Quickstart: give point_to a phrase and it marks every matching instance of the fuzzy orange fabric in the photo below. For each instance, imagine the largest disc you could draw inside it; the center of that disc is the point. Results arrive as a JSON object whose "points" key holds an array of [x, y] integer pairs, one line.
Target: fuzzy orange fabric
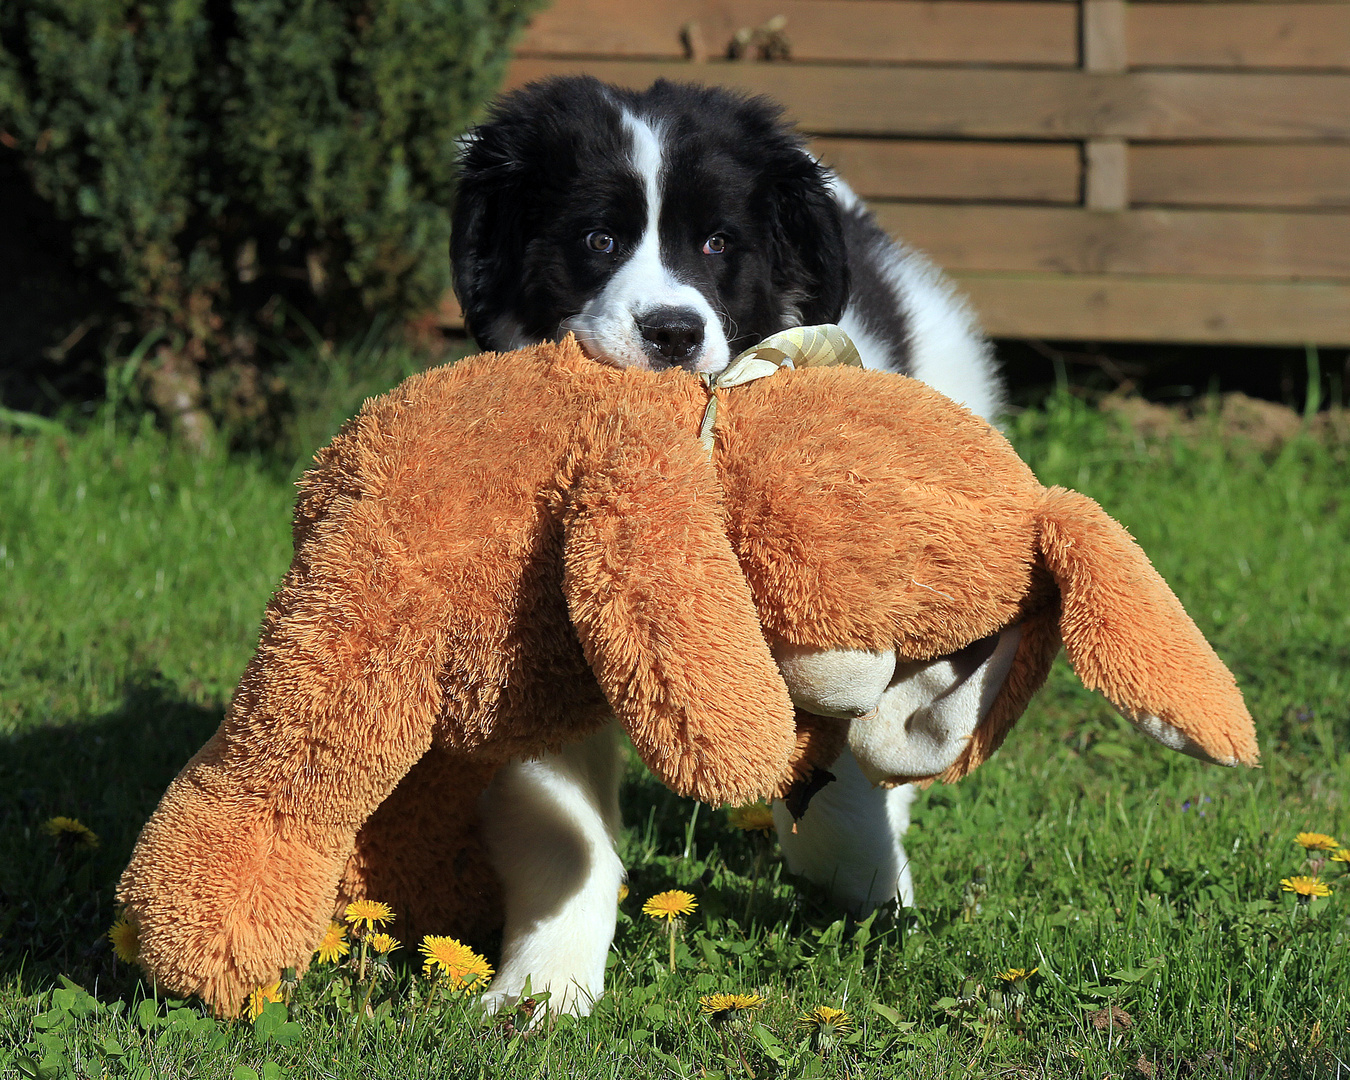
{"points": [[1123, 628], [493, 556]]}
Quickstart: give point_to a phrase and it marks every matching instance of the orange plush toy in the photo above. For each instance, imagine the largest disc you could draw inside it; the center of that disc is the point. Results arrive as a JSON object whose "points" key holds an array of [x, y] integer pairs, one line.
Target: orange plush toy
{"points": [[495, 557]]}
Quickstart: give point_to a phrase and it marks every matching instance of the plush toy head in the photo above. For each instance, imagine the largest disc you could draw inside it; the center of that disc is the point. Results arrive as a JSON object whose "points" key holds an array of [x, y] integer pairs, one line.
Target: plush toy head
{"points": [[496, 556]]}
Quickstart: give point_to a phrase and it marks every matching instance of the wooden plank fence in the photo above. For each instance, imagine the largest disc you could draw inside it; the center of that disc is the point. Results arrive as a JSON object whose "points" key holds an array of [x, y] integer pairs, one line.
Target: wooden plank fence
{"points": [[1085, 169]]}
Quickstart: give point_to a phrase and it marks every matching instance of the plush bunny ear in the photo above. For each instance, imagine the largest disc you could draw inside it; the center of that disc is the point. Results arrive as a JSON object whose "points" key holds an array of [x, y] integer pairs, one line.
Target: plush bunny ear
{"points": [[1128, 636], [664, 614]]}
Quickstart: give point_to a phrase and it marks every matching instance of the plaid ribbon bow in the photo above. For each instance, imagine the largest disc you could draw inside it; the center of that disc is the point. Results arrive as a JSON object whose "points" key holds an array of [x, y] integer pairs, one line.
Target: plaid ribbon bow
{"points": [[799, 347]]}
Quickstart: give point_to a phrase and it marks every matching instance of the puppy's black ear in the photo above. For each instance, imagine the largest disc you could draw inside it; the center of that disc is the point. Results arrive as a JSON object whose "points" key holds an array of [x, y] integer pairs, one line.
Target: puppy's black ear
{"points": [[811, 261], [487, 234]]}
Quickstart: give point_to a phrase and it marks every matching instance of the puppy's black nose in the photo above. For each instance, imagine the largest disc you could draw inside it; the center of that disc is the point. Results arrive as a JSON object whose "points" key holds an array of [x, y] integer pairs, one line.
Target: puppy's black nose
{"points": [[671, 333]]}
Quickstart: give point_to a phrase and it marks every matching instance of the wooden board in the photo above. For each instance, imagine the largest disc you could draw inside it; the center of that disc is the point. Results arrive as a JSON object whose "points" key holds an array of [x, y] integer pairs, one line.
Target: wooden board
{"points": [[1239, 35], [1105, 43], [1233, 243], [448, 314], [851, 31], [920, 169], [1274, 176], [1106, 178], [1103, 308], [1318, 3], [995, 103]]}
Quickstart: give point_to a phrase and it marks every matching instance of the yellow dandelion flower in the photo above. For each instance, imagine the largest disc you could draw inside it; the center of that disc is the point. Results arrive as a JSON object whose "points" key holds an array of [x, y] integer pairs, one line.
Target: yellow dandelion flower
{"points": [[384, 944], [71, 831], [669, 905], [368, 914], [826, 1019], [257, 1001], [125, 938], [1342, 856], [446, 956], [334, 944], [1316, 841], [722, 1006], [1016, 975], [753, 818], [623, 891], [1306, 888]]}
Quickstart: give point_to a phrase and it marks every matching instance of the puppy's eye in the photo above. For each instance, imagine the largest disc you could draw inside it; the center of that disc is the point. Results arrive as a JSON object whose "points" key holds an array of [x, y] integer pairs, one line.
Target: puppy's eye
{"points": [[715, 244], [600, 241]]}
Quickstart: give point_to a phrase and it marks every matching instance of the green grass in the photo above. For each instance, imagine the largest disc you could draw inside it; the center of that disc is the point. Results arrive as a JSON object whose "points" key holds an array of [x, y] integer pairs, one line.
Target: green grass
{"points": [[132, 578]]}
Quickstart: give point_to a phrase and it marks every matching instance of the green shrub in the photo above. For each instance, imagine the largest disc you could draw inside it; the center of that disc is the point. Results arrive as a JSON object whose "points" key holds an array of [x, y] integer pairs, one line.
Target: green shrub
{"points": [[229, 165]]}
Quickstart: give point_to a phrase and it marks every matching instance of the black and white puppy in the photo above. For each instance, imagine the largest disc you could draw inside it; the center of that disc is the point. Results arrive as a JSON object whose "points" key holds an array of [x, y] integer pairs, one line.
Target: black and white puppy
{"points": [[677, 226]]}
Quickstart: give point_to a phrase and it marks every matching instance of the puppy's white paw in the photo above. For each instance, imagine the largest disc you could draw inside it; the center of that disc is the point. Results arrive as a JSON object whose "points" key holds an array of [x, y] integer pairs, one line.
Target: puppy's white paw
{"points": [[849, 840]]}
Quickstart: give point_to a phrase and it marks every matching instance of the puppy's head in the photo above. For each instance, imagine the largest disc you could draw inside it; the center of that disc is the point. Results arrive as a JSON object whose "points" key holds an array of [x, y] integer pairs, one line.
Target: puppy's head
{"points": [[673, 226]]}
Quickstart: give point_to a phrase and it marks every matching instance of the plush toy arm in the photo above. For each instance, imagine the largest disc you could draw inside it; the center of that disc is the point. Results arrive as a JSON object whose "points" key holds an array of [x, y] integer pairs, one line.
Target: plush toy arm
{"points": [[664, 614], [235, 875], [1127, 636]]}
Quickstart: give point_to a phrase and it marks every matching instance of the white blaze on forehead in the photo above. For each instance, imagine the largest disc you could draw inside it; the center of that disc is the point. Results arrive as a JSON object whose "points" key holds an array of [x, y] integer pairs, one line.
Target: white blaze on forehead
{"points": [[607, 326], [646, 158]]}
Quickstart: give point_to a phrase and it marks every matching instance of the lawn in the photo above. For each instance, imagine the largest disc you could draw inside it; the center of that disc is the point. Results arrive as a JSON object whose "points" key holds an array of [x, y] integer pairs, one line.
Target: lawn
{"points": [[1142, 886]]}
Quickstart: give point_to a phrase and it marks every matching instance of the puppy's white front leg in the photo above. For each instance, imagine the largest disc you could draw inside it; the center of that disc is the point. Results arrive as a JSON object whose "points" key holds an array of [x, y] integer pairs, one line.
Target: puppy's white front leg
{"points": [[550, 826], [849, 839]]}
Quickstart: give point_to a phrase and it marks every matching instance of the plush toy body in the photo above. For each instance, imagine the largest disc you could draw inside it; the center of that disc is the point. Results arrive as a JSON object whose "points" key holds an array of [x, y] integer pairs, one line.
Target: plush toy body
{"points": [[497, 555]]}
